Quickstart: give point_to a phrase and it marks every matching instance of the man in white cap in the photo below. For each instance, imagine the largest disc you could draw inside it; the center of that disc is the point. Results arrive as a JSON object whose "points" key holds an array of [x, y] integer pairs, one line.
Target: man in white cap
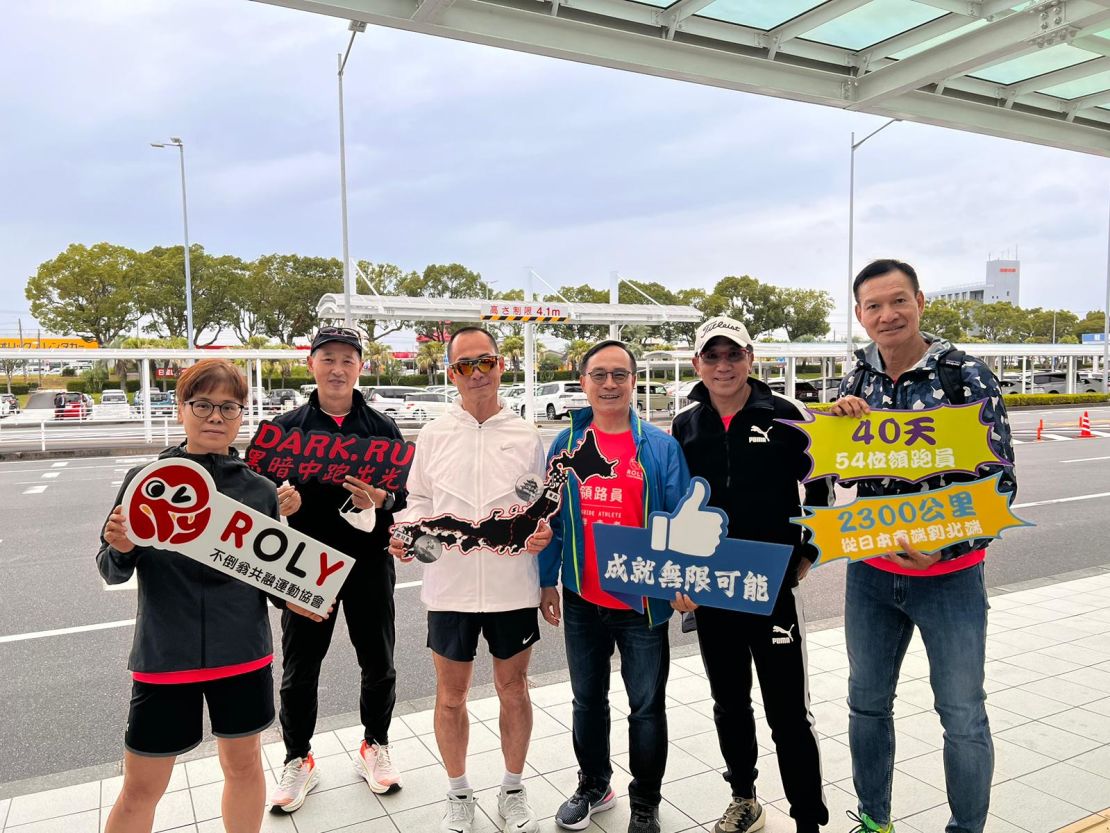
{"points": [[731, 437]]}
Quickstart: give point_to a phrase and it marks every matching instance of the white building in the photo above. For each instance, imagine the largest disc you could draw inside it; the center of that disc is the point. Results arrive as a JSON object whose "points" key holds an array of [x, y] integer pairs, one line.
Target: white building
{"points": [[1003, 283]]}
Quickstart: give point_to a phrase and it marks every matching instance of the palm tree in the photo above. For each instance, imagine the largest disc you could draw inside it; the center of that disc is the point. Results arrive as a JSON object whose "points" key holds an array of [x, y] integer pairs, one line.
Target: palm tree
{"points": [[428, 358], [377, 356], [575, 351], [512, 348]]}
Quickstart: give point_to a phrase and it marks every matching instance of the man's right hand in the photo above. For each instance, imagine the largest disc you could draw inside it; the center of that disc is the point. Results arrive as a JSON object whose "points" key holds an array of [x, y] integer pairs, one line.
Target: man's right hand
{"points": [[115, 532], [851, 406], [550, 608], [397, 550]]}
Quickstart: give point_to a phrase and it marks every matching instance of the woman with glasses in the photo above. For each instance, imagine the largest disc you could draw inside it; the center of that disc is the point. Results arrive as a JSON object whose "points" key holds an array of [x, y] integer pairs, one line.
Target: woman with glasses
{"points": [[200, 635]]}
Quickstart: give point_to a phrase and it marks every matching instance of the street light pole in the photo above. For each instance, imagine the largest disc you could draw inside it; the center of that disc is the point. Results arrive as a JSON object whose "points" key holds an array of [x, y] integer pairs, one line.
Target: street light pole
{"points": [[1106, 318], [852, 228], [354, 27], [177, 143]]}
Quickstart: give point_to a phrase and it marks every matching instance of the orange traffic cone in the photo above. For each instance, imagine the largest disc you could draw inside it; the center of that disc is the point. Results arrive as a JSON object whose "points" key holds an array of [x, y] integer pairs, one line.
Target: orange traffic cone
{"points": [[1085, 427], [1040, 428]]}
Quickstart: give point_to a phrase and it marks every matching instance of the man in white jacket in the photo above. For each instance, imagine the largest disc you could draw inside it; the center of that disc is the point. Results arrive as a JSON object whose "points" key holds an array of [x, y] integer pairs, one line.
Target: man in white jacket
{"points": [[468, 463]]}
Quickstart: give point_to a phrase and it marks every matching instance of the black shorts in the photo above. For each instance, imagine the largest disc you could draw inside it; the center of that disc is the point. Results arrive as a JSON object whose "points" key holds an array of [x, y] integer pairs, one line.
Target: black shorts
{"points": [[168, 719], [455, 635]]}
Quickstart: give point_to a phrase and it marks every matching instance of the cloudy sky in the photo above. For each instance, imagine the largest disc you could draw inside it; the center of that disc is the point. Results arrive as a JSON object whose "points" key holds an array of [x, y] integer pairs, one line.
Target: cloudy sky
{"points": [[494, 159]]}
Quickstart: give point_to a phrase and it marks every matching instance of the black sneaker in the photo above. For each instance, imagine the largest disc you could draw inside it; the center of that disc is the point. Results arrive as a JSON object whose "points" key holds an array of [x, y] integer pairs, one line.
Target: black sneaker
{"points": [[575, 812], [644, 819]]}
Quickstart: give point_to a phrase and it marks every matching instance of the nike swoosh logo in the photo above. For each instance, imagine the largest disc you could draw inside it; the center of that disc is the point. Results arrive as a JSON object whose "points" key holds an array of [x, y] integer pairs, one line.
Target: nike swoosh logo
{"points": [[527, 639]]}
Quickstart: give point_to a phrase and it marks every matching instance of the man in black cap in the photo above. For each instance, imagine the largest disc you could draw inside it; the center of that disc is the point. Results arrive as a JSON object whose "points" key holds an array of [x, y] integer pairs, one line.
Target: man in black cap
{"points": [[336, 406]]}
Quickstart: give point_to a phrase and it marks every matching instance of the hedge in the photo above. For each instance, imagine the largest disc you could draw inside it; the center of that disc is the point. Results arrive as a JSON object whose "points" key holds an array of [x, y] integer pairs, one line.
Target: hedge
{"points": [[1016, 400]]}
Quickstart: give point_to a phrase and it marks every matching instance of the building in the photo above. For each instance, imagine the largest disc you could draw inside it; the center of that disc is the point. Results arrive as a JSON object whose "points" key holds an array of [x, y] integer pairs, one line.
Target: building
{"points": [[1003, 283]]}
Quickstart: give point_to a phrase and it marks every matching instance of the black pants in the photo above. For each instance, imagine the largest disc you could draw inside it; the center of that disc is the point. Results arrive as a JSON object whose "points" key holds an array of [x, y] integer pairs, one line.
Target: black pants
{"points": [[729, 642], [367, 603]]}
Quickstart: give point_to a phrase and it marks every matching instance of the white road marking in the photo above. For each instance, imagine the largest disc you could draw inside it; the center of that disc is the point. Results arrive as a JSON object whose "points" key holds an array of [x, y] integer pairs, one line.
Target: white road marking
{"points": [[21, 637], [36, 471], [405, 584], [47, 475], [59, 465], [1060, 500], [1084, 459], [117, 483], [36, 490], [1057, 437]]}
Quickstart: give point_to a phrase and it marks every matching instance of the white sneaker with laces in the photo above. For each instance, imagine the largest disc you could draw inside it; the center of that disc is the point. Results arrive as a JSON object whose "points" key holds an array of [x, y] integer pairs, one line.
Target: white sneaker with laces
{"points": [[375, 764], [458, 812], [513, 806], [298, 778]]}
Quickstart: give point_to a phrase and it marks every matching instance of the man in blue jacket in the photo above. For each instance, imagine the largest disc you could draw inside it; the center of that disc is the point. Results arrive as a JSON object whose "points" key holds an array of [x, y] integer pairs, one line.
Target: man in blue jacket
{"points": [[944, 593], [650, 476]]}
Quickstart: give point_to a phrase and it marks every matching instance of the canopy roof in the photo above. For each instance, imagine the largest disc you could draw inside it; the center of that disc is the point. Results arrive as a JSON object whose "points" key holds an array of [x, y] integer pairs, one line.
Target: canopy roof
{"points": [[1031, 71]]}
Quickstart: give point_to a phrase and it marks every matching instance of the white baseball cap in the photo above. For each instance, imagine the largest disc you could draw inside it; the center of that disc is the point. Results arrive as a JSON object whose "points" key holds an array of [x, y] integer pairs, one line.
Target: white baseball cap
{"points": [[723, 326]]}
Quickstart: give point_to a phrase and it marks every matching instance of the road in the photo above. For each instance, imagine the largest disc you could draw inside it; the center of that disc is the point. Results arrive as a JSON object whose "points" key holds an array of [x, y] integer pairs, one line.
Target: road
{"points": [[68, 690]]}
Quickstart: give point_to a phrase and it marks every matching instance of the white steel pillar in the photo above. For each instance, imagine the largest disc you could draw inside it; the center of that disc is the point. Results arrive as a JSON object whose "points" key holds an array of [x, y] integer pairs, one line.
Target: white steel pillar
{"points": [[529, 356], [144, 376], [614, 298]]}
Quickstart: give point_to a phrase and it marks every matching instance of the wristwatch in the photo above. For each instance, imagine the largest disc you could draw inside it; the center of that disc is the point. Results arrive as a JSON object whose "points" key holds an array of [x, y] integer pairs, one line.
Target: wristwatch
{"points": [[387, 504]]}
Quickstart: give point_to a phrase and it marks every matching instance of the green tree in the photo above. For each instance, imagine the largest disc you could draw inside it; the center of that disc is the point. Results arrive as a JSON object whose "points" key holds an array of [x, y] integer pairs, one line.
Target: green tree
{"points": [[294, 286], [1093, 322], [694, 298], [387, 279], [805, 312], [758, 306], [428, 358], [575, 350], [378, 355], [512, 348], [997, 322], [161, 293], [944, 319], [584, 294], [87, 291], [452, 280]]}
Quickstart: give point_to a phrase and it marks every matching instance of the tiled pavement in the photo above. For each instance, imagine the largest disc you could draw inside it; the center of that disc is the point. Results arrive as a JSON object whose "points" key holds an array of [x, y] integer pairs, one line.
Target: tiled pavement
{"points": [[1048, 676]]}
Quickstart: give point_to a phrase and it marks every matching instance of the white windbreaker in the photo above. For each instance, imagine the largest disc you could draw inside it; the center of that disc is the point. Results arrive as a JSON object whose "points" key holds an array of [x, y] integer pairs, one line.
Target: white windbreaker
{"points": [[469, 469]]}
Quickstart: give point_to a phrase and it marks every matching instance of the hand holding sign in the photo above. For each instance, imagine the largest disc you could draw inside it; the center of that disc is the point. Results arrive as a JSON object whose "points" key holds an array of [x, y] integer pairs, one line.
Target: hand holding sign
{"points": [[694, 529]]}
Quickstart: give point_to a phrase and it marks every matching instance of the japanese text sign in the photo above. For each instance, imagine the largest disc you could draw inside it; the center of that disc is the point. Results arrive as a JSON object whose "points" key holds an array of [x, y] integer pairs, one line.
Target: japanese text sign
{"points": [[930, 521], [298, 456], [686, 552], [907, 445], [506, 310], [173, 504]]}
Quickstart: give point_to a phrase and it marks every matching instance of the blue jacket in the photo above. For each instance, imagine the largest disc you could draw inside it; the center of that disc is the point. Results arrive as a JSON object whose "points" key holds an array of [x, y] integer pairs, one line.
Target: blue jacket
{"points": [[666, 479], [920, 387]]}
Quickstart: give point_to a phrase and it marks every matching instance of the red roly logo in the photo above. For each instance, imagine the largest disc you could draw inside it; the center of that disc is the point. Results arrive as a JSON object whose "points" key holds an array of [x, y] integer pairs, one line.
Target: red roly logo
{"points": [[171, 506]]}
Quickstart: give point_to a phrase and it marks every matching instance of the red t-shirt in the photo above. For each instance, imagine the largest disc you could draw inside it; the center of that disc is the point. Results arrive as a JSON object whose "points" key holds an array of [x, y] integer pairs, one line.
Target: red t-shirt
{"points": [[201, 675], [941, 568], [619, 500], [727, 420]]}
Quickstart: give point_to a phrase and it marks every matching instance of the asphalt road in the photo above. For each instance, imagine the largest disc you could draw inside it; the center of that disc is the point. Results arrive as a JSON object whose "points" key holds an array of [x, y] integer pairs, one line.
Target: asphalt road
{"points": [[66, 692]]}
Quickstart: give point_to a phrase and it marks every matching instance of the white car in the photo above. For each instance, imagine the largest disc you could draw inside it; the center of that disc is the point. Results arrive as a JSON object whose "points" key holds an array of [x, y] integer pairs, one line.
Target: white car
{"points": [[556, 400], [422, 407], [389, 399], [112, 396]]}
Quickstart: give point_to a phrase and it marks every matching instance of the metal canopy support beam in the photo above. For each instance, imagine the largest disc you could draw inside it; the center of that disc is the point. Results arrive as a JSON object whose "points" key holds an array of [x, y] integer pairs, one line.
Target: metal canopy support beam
{"points": [[429, 11], [677, 12], [808, 21], [1060, 76], [1093, 43], [1093, 100], [1016, 34]]}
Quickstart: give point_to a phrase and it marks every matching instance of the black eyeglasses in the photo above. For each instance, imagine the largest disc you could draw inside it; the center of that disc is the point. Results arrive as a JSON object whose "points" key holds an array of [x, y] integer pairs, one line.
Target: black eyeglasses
{"points": [[203, 408], [467, 366], [338, 331], [619, 376], [730, 356]]}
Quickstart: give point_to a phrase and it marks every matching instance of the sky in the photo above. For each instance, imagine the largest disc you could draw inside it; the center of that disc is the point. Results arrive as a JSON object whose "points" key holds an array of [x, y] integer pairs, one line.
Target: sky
{"points": [[494, 159]]}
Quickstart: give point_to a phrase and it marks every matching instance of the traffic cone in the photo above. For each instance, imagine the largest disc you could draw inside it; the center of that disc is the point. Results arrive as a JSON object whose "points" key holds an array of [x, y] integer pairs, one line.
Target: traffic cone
{"points": [[1085, 427], [1040, 428]]}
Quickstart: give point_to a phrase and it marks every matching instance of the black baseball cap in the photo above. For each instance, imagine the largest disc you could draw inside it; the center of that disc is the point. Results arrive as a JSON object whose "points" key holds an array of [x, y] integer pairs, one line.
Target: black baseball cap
{"points": [[344, 335]]}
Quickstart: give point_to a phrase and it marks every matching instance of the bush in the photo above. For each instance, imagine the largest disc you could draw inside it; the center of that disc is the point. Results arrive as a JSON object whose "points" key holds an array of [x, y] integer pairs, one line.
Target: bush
{"points": [[69, 371], [19, 388], [1018, 399], [77, 386]]}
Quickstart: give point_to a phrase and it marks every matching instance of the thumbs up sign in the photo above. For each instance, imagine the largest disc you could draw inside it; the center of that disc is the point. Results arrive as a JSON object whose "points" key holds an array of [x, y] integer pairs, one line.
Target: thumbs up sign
{"points": [[694, 528]]}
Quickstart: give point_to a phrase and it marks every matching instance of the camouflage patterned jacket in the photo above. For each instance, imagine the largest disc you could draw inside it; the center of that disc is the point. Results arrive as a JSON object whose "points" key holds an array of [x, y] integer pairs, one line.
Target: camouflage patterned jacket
{"points": [[918, 388]]}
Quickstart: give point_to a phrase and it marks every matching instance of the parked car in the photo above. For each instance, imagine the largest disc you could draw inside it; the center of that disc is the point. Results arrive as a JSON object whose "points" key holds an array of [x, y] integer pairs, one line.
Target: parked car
{"points": [[277, 398], [113, 396], [9, 404], [389, 399], [556, 400], [804, 390], [659, 398], [162, 402], [306, 390], [424, 406], [73, 405], [1089, 383]]}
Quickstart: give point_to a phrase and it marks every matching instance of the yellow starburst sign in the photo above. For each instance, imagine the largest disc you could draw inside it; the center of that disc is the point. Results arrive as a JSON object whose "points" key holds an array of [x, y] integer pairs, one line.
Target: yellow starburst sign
{"points": [[907, 445], [867, 527]]}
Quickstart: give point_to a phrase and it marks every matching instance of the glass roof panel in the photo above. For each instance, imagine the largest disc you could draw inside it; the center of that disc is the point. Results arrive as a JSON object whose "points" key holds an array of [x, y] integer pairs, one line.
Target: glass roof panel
{"points": [[1084, 86], [874, 22], [939, 39], [758, 14], [1035, 63], [659, 4]]}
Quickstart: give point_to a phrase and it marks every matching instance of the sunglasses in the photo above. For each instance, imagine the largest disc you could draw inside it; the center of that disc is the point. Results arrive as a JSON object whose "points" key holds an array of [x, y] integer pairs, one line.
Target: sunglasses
{"points": [[730, 356], [338, 331], [466, 367]]}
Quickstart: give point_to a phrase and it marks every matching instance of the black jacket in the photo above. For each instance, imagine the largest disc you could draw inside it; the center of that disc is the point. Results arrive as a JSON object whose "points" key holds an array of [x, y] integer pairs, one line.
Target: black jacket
{"points": [[319, 516], [191, 616], [754, 468]]}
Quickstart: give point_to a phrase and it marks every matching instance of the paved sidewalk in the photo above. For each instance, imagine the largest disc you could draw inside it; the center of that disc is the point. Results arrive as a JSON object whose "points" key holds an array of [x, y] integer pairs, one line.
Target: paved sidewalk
{"points": [[1048, 678]]}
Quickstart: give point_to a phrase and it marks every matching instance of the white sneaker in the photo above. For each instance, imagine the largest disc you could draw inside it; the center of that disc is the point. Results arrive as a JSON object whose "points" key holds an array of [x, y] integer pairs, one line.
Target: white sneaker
{"points": [[298, 779], [458, 812], [375, 764], [513, 806]]}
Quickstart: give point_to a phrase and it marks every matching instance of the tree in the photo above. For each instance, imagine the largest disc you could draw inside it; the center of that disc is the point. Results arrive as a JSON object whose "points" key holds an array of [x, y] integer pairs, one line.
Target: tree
{"points": [[758, 306], [944, 319], [87, 291], [694, 298], [997, 321], [584, 294], [428, 358], [575, 351], [805, 312], [294, 286], [512, 348], [161, 292], [387, 279], [377, 355], [452, 280], [1093, 322]]}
